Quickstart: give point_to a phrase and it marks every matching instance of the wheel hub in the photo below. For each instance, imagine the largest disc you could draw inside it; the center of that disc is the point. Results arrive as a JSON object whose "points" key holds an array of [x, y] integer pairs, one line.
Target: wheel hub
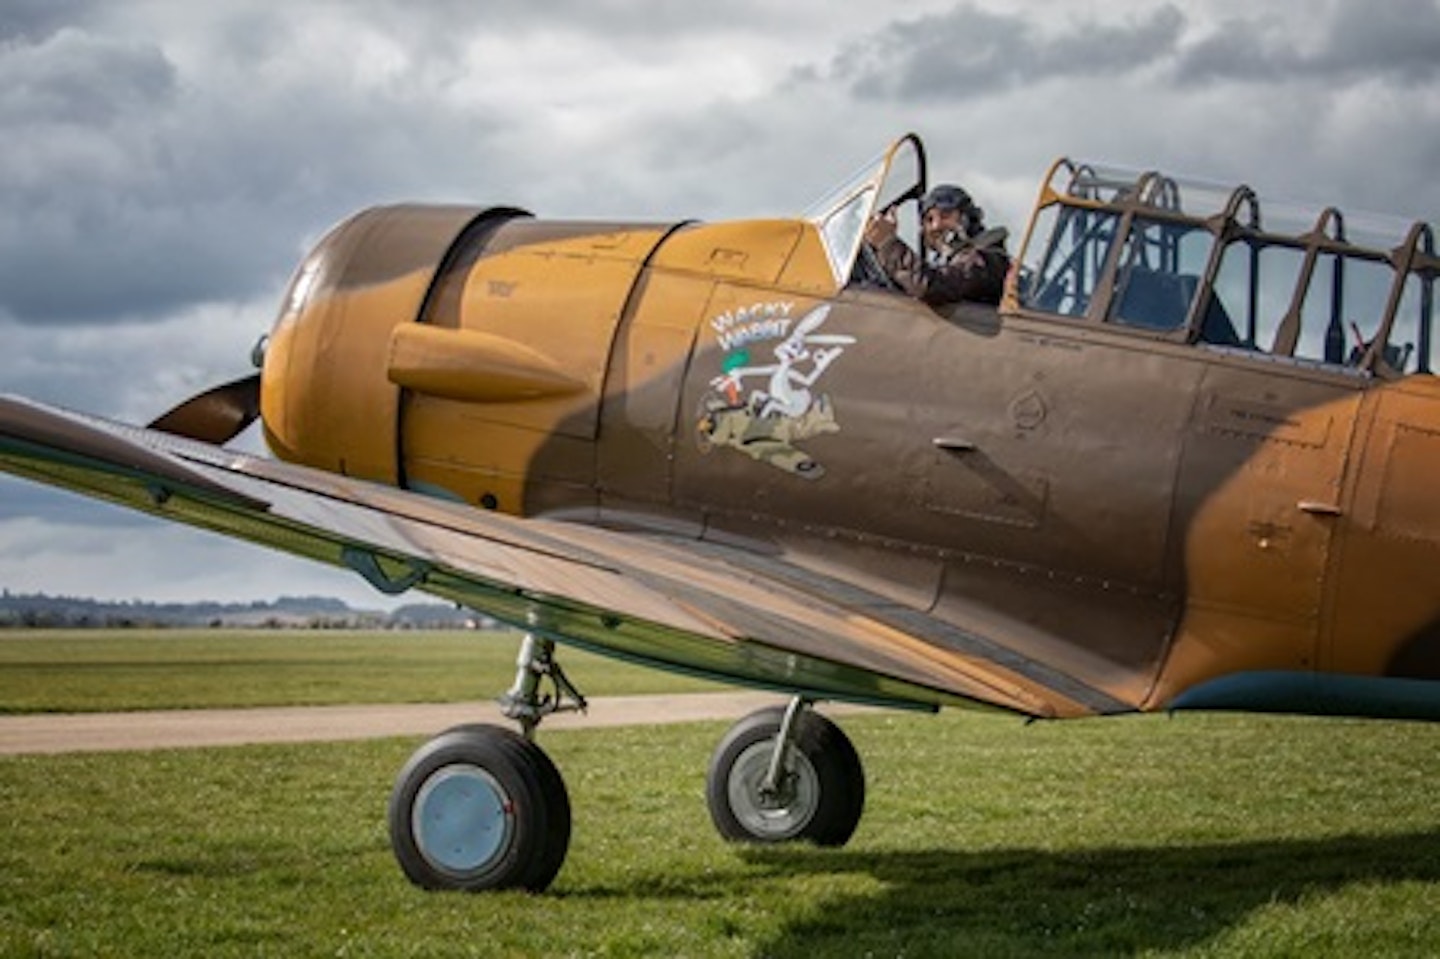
{"points": [[462, 820], [777, 814]]}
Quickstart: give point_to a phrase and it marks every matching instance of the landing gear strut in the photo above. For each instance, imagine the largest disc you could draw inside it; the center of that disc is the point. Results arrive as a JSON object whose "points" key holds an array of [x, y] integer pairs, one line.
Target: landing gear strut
{"points": [[481, 807], [785, 774], [524, 703]]}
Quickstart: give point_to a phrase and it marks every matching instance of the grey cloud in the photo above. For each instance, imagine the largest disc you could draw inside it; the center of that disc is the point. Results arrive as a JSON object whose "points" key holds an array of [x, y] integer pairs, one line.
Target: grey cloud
{"points": [[611, 19], [1399, 41], [71, 78], [37, 19], [1235, 51], [132, 189], [140, 179], [969, 52], [84, 176]]}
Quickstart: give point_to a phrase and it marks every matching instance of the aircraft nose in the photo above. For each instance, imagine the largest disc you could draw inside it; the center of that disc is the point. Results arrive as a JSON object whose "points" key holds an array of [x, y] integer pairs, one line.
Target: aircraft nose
{"points": [[325, 398]]}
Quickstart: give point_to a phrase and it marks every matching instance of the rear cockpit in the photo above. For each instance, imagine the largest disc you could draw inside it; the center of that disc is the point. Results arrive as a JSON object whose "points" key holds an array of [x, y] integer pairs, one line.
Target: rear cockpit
{"points": [[1194, 262]]}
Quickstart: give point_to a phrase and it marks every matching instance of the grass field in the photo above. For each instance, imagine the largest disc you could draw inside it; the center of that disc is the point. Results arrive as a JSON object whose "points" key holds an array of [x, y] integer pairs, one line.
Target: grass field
{"points": [[100, 670], [1139, 836]]}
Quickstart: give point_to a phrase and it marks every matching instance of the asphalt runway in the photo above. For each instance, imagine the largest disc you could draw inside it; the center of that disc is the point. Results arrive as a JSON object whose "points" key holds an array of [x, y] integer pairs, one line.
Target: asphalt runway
{"points": [[182, 728]]}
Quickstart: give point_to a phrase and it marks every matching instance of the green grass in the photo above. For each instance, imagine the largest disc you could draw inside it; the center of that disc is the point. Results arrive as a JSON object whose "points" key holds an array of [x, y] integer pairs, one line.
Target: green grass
{"points": [[1198, 836], [1146, 836], [104, 670]]}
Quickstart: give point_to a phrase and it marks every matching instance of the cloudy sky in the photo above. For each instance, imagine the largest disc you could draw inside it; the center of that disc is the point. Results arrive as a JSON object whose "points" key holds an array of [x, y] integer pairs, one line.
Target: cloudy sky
{"points": [[165, 163]]}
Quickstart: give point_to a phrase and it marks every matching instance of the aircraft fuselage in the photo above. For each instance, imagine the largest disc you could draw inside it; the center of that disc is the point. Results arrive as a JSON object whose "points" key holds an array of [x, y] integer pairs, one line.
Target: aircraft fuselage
{"points": [[1158, 519]]}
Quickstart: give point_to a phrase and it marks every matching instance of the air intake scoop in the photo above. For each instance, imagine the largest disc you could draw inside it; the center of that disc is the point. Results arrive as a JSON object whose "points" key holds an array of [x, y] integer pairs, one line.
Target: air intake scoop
{"points": [[472, 366]]}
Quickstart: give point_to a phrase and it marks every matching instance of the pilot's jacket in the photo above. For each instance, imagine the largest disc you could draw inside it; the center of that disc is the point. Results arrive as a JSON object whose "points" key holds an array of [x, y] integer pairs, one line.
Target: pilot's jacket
{"points": [[962, 271]]}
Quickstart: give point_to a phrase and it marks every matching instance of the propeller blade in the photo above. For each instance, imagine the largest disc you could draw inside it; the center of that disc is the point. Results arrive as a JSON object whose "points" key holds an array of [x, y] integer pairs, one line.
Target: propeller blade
{"points": [[217, 415]]}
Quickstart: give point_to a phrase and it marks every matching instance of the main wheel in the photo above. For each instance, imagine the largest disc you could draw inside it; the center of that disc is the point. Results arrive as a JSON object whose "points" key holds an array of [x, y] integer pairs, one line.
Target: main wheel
{"points": [[819, 799], [480, 807]]}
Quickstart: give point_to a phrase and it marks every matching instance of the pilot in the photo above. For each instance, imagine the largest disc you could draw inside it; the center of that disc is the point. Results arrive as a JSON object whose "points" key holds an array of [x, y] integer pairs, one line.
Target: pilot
{"points": [[963, 260]]}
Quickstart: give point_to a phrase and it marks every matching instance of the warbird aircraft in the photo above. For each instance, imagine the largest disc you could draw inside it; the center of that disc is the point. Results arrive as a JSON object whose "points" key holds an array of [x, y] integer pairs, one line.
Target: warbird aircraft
{"points": [[1188, 463]]}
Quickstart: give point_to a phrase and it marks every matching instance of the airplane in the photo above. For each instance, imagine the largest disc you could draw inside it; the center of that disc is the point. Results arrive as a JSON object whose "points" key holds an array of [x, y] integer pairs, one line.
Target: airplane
{"points": [[1185, 463]]}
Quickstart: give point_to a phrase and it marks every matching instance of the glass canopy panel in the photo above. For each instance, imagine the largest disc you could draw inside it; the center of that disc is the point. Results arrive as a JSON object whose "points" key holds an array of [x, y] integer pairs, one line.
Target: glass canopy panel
{"points": [[842, 214], [1070, 246]]}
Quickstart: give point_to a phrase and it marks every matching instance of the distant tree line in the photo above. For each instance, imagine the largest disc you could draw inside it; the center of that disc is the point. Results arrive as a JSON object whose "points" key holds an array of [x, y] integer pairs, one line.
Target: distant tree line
{"points": [[42, 611]]}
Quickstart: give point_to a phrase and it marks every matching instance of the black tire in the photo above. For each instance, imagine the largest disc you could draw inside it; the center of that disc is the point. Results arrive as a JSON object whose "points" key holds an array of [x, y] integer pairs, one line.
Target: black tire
{"points": [[480, 807], [827, 793]]}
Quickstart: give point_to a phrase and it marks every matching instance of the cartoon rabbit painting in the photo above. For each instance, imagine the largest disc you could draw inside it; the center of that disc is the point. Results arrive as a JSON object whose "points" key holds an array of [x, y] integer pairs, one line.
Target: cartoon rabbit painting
{"points": [[767, 425], [788, 385], [789, 390]]}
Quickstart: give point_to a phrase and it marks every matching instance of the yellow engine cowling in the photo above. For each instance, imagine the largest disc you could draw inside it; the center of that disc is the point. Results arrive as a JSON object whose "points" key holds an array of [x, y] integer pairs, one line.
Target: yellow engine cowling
{"points": [[325, 398], [506, 374], [440, 348]]}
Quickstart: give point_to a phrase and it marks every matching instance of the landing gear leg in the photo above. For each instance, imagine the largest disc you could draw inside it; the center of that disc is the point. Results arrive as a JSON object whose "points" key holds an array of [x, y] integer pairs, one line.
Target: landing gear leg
{"points": [[482, 807], [786, 774], [524, 703]]}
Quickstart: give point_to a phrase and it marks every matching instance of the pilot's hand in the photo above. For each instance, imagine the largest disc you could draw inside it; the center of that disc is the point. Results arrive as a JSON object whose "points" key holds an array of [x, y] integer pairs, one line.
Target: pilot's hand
{"points": [[881, 230]]}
